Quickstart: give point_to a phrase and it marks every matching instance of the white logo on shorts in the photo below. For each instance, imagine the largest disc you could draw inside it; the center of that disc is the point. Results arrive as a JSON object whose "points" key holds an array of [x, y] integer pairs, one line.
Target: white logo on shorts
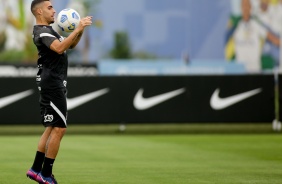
{"points": [[48, 118]]}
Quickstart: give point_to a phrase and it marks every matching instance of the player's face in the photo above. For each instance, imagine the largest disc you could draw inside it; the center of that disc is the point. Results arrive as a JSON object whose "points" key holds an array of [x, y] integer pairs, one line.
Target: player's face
{"points": [[264, 5], [48, 12], [246, 9]]}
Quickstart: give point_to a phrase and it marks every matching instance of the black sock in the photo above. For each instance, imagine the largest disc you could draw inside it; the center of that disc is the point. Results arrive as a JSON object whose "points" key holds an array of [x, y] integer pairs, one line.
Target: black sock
{"points": [[47, 167], [38, 161]]}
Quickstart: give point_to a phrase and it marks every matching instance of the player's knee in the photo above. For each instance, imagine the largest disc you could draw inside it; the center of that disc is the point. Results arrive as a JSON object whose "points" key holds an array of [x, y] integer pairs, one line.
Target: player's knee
{"points": [[60, 131]]}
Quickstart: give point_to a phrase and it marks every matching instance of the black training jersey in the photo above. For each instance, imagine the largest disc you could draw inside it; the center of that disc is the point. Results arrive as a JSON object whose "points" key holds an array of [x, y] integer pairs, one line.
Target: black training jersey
{"points": [[52, 67]]}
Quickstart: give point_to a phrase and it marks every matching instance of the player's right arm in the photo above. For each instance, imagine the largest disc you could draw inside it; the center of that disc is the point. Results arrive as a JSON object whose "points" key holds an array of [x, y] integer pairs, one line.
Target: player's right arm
{"points": [[61, 47], [273, 39]]}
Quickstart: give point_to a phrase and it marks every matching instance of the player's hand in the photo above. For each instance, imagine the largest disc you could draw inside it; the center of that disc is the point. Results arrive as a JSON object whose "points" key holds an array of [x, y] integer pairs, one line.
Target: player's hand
{"points": [[84, 22]]}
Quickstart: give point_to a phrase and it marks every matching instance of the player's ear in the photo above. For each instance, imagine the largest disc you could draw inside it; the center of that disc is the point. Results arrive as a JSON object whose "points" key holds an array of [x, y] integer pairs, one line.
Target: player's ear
{"points": [[39, 11]]}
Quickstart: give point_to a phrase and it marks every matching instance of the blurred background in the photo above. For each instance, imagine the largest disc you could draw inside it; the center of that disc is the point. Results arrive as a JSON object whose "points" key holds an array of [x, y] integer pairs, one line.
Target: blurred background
{"points": [[197, 46], [181, 30]]}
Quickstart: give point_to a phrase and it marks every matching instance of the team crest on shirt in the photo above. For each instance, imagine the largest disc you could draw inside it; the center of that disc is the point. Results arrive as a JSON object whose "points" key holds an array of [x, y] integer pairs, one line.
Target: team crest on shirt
{"points": [[48, 118]]}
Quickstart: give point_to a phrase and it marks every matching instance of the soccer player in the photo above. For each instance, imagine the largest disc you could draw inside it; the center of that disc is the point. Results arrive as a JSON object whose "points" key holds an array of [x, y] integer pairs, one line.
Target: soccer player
{"points": [[52, 81], [248, 36]]}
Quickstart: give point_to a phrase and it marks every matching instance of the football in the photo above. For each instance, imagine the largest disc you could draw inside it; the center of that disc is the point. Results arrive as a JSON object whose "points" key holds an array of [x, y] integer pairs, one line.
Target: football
{"points": [[68, 20]]}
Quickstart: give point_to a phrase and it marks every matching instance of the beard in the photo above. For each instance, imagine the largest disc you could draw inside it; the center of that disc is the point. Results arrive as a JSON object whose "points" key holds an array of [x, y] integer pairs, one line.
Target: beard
{"points": [[51, 20]]}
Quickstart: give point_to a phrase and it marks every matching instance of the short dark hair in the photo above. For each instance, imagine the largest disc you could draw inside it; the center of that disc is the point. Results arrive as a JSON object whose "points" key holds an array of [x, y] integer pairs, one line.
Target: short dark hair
{"points": [[34, 3]]}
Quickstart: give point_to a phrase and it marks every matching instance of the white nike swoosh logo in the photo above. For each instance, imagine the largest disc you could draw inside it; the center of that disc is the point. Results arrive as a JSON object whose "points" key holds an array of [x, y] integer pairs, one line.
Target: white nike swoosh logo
{"points": [[5, 101], [218, 103], [73, 103], [142, 103]]}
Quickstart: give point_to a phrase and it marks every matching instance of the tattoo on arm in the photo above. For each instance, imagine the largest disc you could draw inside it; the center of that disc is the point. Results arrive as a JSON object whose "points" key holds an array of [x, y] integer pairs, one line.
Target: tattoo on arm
{"points": [[75, 40], [77, 36]]}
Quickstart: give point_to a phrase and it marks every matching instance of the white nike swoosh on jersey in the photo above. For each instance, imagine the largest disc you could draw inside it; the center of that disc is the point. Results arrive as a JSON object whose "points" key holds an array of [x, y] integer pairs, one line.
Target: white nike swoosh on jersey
{"points": [[5, 101], [218, 103], [142, 103], [73, 103]]}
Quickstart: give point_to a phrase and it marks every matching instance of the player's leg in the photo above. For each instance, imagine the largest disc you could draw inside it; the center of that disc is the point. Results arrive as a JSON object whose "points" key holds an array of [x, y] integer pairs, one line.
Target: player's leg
{"points": [[53, 146], [43, 140], [40, 155], [55, 117], [54, 142], [41, 148], [52, 149]]}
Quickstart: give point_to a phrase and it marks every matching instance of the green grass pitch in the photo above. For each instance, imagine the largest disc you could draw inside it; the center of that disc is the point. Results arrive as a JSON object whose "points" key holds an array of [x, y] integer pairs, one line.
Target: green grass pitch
{"points": [[151, 159]]}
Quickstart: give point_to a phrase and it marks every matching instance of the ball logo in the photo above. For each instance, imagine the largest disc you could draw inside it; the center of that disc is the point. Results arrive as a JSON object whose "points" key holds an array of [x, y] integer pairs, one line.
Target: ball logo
{"points": [[63, 18], [48, 118], [74, 15], [72, 26]]}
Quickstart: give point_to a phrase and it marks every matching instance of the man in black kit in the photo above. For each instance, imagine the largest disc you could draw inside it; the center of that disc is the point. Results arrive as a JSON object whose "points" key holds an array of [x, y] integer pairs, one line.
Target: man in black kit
{"points": [[51, 80]]}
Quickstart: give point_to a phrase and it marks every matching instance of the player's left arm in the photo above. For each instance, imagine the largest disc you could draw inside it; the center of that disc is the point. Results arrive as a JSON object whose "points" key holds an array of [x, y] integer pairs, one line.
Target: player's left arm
{"points": [[76, 39], [61, 47], [78, 35]]}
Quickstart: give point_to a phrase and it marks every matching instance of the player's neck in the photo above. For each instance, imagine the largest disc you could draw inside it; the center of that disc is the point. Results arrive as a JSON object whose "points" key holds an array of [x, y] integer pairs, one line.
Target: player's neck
{"points": [[42, 22]]}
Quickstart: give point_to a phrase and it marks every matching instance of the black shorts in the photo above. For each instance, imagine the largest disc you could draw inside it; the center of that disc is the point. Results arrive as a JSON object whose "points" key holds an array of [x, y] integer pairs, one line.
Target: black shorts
{"points": [[53, 108]]}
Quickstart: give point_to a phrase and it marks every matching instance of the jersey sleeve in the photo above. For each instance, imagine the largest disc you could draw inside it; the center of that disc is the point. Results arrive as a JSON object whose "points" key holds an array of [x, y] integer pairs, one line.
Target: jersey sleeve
{"points": [[47, 37]]}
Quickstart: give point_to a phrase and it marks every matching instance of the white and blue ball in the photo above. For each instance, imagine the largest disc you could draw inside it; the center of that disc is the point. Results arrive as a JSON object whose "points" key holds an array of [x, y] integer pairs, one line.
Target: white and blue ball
{"points": [[68, 19]]}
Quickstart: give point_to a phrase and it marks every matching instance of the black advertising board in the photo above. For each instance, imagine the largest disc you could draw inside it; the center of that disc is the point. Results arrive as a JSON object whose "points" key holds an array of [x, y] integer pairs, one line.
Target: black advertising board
{"points": [[147, 99]]}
